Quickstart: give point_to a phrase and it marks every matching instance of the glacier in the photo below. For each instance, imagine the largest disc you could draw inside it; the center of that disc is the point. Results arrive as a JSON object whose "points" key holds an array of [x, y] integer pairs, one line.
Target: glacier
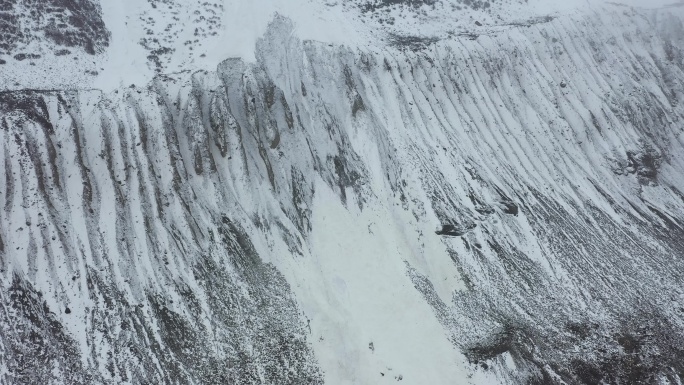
{"points": [[501, 207]]}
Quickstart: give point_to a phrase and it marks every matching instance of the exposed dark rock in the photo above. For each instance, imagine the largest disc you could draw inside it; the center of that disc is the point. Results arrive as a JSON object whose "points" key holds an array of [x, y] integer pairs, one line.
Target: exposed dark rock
{"points": [[414, 43], [24, 56], [67, 23], [455, 230], [509, 207], [645, 164]]}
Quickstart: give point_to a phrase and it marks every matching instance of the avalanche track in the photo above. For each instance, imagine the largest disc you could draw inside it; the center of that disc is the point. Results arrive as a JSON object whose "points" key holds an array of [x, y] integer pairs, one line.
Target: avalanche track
{"points": [[504, 208]]}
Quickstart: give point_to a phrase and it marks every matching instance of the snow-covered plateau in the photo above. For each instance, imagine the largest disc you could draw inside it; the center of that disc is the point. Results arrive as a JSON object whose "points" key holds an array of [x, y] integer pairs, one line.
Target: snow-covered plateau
{"points": [[494, 195]]}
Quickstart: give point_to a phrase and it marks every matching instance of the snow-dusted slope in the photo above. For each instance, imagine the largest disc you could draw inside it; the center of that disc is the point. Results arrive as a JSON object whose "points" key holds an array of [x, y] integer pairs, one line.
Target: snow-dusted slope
{"points": [[84, 44], [502, 207]]}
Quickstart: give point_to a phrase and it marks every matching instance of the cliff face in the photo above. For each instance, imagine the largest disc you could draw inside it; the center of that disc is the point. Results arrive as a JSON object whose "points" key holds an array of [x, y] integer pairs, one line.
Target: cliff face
{"points": [[505, 208]]}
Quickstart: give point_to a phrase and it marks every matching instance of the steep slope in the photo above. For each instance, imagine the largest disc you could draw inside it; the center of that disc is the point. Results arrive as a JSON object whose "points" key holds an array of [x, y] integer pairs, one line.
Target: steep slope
{"points": [[506, 207]]}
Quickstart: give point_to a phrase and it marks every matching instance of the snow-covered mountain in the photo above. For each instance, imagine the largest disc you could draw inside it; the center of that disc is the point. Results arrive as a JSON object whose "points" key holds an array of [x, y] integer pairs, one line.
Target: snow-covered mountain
{"points": [[432, 192]]}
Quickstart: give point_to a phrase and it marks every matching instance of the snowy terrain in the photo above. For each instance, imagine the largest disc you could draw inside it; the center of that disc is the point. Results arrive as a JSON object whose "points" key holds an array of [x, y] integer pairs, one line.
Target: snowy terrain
{"points": [[142, 38], [464, 195]]}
